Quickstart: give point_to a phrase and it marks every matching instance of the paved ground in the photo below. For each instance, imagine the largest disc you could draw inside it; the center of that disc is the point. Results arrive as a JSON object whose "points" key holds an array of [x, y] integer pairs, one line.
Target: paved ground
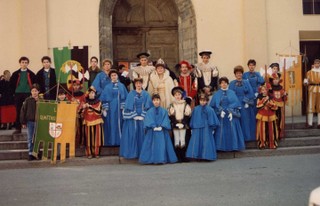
{"points": [[284, 180]]}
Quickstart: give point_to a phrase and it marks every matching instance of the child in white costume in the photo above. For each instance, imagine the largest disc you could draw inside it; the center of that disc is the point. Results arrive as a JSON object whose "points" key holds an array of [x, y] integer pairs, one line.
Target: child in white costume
{"points": [[179, 113]]}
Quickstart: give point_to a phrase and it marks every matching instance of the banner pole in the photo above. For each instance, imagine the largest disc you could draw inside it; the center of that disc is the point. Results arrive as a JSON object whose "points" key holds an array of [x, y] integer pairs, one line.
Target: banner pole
{"points": [[58, 85]]}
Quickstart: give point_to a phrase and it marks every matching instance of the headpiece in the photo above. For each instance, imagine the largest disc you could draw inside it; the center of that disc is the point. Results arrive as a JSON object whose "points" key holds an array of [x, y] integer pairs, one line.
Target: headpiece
{"points": [[177, 89], [186, 63], [160, 62], [143, 55], [205, 52]]}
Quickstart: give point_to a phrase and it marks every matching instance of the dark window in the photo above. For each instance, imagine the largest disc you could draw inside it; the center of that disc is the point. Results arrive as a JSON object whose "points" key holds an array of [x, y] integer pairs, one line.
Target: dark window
{"points": [[311, 6]]}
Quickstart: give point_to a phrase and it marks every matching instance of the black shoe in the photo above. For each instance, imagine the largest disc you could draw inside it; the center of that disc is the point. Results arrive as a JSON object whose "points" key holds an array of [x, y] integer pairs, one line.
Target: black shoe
{"points": [[309, 126], [40, 155], [31, 157]]}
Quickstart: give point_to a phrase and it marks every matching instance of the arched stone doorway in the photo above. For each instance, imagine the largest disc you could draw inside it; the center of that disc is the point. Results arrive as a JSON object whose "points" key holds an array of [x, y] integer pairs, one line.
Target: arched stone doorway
{"points": [[187, 44]]}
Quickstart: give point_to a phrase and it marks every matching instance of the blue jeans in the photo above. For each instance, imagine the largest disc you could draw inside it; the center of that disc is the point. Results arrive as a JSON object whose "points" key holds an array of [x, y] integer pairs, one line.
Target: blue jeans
{"points": [[30, 134]]}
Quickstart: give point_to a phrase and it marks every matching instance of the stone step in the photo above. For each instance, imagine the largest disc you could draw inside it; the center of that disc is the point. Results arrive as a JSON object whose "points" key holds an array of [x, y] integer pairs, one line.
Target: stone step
{"points": [[113, 152], [16, 154], [289, 133], [291, 142], [80, 161], [278, 151], [8, 145], [9, 137], [107, 151]]}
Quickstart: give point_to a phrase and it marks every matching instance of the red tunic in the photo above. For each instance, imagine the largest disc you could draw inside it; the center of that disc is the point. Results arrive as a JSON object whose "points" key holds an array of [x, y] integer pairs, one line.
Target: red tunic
{"points": [[92, 115], [189, 85]]}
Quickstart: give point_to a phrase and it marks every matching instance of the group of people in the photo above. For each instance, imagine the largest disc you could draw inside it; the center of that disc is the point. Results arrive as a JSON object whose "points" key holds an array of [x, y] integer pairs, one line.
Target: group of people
{"points": [[158, 117]]}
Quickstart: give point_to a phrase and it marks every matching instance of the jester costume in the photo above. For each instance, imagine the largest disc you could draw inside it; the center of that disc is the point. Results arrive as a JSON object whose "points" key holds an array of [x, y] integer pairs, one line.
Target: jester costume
{"points": [[92, 122], [267, 132], [279, 96]]}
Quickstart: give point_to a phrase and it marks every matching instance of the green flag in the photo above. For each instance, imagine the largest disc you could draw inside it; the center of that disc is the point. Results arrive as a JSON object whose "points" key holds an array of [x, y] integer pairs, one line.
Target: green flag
{"points": [[46, 113], [60, 57]]}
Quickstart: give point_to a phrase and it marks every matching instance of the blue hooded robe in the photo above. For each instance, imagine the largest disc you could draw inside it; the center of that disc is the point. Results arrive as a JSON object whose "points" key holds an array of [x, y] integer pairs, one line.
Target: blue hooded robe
{"points": [[202, 144], [132, 138], [229, 135], [113, 99], [157, 146], [245, 95]]}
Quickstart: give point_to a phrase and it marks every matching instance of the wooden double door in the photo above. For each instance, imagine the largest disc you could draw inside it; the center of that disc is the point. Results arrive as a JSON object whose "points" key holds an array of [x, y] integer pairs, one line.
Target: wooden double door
{"points": [[145, 26]]}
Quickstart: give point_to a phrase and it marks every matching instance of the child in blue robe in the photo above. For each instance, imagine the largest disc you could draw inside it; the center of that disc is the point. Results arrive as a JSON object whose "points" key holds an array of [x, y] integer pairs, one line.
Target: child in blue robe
{"points": [[203, 124], [229, 136], [157, 147], [137, 103], [113, 99]]}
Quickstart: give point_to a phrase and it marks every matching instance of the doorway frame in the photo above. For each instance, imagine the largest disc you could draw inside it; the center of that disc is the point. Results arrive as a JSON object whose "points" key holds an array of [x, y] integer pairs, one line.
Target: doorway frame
{"points": [[187, 30]]}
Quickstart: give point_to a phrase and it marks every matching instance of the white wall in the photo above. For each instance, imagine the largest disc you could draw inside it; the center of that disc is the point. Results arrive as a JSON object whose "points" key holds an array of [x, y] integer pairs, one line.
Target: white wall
{"points": [[220, 28], [75, 22], [23, 32]]}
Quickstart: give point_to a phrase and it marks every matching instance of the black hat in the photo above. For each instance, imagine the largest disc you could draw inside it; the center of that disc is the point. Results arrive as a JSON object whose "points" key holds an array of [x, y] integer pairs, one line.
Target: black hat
{"points": [[274, 65], [177, 89], [160, 62], [188, 100], [205, 52], [143, 55], [113, 71]]}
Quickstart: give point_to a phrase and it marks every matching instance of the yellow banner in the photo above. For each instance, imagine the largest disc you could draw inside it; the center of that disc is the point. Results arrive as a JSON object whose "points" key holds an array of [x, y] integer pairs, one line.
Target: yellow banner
{"points": [[66, 116], [292, 64]]}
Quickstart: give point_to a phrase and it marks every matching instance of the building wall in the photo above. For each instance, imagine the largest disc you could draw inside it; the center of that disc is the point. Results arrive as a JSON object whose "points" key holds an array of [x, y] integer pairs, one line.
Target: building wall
{"points": [[23, 32], [74, 23], [235, 30]]}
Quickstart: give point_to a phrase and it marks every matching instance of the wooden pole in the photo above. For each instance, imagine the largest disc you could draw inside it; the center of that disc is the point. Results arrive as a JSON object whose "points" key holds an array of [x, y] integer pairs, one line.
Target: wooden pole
{"points": [[306, 86]]}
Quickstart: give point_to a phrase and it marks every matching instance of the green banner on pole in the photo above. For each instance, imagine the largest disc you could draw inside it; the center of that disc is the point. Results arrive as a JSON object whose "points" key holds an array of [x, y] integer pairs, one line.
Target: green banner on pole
{"points": [[46, 115]]}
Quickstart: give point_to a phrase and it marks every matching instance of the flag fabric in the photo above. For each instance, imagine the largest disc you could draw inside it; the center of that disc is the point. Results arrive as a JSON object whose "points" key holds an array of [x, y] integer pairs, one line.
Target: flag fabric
{"points": [[61, 58], [293, 80], [55, 124]]}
